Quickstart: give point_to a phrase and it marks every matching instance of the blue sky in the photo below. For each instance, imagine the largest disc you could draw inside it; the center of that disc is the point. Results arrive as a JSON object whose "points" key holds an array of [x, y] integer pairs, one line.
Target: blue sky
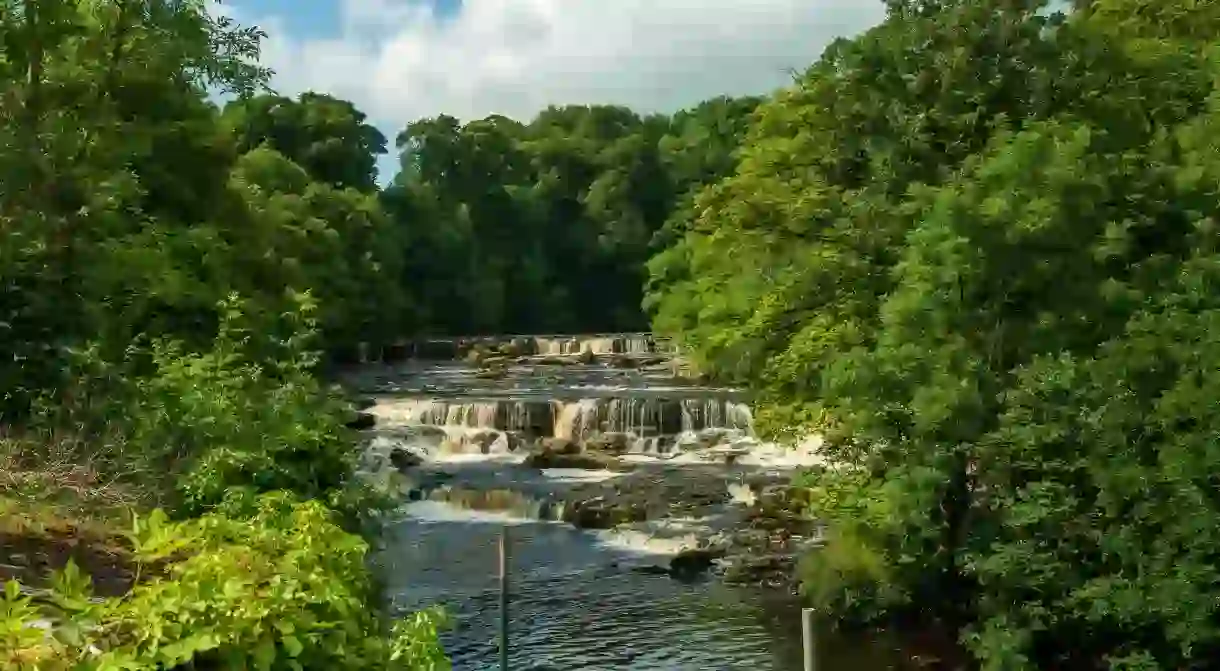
{"points": [[401, 60], [314, 18]]}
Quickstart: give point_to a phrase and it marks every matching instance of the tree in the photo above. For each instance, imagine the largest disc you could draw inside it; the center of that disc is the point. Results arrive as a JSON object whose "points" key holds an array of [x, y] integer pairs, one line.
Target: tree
{"points": [[976, 244], [546, 226], [305, 235], [102, 101], [327, 136]]}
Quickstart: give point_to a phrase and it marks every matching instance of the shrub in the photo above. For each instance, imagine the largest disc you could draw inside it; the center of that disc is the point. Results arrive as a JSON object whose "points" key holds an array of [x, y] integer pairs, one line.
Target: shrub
{"points": [[285, 588]]}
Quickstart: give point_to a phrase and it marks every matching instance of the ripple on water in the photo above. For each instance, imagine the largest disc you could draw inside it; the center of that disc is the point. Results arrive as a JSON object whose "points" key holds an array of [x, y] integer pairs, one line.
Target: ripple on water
{"points": [[571, 609]]}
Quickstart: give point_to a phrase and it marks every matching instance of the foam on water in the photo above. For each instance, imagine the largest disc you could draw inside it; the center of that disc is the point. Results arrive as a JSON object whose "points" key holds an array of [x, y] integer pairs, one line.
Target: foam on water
{"points": [[577, 475], [576, 606], [659, 538], [432, 512]]}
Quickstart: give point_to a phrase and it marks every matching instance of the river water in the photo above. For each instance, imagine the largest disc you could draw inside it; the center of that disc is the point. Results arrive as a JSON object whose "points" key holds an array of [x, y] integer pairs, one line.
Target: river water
{"points": [[576, 603]]}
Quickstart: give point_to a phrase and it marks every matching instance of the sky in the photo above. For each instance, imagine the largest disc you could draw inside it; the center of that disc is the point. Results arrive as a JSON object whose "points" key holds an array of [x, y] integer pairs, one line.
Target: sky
{"points": [[402, 60]]}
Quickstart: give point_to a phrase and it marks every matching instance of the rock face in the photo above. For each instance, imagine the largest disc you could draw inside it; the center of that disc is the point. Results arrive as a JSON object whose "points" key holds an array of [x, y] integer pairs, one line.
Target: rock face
{"points": [[646, 494], [588, 460]]}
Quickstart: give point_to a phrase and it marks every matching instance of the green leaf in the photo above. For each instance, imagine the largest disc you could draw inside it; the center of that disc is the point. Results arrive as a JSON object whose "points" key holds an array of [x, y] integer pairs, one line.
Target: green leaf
{"points": [[292, 646]]}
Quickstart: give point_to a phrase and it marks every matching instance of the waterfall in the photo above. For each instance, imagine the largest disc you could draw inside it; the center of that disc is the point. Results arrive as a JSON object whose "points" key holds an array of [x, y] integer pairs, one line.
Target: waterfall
{"points": [[639, 416], [576, 421], [443, 401], [536, 417], [708, 413]]}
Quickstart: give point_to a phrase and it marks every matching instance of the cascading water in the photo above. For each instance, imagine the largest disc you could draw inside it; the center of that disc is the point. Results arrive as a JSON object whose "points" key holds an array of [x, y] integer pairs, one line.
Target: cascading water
{"points": [[640, 418], [577, 604]]}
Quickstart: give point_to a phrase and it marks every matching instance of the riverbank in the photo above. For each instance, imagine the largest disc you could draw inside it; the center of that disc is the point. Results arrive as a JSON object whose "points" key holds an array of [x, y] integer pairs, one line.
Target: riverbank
{"points": [[51, 515]]}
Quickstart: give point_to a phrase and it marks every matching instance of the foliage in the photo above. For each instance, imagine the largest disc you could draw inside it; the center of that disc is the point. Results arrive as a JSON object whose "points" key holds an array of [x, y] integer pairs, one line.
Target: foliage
{"points": [[545, 226], [102, 102], [166, 281], [976, 244], [327, 136], [336, 243], [282, 589]]}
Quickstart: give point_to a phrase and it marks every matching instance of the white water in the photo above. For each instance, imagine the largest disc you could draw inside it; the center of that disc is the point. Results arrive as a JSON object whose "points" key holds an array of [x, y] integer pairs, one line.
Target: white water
{"points": [[580, 609]]}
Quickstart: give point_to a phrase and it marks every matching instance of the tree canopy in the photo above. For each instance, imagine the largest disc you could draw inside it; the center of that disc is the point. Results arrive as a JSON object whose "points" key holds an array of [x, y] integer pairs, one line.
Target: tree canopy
{"points": [[977, 245]]}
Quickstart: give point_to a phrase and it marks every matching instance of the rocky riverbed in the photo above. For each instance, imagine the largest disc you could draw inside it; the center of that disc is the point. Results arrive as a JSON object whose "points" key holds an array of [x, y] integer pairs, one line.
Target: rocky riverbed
{"points": [[601, 432], [713, 505]]}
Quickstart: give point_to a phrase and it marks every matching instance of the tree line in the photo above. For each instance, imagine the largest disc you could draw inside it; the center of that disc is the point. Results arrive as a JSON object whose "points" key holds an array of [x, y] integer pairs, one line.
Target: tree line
{"points": [[489, 226]]}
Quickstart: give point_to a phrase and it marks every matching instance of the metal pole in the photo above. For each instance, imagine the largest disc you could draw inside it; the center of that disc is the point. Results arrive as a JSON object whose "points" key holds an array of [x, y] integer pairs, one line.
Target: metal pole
{"points": [[504, 599], [808, 635]]}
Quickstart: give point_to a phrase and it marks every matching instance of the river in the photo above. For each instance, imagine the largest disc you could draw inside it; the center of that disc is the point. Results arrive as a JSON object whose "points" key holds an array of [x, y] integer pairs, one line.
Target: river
{"points": [[579, 601]]}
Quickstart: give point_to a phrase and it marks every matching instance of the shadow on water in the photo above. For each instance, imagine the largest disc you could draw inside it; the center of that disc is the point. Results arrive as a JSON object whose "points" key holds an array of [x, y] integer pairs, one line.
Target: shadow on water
{"points": [[577, 605]]}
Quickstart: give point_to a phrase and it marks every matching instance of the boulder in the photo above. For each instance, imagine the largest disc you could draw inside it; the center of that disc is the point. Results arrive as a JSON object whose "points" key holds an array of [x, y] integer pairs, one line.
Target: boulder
{"points": [[404, 459], [600, 513], [588, 460], [477, 354], [558, 445], [491, 373], [612, 442], [363, 420], [514, 440], [622, 361], [692, 562]]}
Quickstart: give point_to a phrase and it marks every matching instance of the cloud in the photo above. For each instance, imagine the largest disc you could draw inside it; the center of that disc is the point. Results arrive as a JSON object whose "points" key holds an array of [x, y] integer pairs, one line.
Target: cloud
{"points": [[401, 60]]}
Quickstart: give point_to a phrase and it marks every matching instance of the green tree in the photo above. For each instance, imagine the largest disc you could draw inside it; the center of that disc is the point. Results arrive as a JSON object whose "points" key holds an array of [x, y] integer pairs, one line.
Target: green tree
{"points": [[976, 244], [327, 136], [103, 101], [302, 234], [547, 226]]}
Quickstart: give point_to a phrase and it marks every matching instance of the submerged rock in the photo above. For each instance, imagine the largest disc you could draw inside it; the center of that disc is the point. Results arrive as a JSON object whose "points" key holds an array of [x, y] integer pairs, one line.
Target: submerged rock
{"points": [[694, 561]]}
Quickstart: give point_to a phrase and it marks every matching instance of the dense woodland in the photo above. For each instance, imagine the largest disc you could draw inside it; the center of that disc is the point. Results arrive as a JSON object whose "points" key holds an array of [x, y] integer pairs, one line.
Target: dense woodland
{"points": [[975, 245], [490, 226], [979, 246]]}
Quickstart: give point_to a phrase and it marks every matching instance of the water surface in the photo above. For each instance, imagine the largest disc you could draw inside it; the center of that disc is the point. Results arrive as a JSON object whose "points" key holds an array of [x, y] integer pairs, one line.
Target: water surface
{"points": [[577, 606]]}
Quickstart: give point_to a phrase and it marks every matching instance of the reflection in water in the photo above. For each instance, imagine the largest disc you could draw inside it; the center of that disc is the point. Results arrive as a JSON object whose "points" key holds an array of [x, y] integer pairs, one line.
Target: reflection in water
{"points": [[576, 606]]}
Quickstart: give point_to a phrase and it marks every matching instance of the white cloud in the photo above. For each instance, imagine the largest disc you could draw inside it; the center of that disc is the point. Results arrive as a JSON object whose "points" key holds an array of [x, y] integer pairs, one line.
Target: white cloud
{"points": [[399, 61]]}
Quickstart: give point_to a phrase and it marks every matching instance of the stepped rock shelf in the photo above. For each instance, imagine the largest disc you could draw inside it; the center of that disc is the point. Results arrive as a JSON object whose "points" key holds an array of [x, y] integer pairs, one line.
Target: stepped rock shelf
{"points": [[523, 345], [501, 423]]}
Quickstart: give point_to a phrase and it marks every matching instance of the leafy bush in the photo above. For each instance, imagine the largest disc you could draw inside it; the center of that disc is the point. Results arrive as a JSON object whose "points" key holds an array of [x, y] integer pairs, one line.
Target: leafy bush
{"points": [[247, 413], [283, 589]]}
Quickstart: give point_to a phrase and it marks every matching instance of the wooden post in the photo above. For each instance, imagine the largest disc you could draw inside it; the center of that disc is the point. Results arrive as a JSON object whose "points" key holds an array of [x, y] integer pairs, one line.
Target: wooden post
{"points": [[504, 599], [808, 636]]}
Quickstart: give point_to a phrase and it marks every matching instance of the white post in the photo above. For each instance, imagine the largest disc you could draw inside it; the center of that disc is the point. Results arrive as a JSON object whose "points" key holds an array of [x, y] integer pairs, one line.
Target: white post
{"points": [[808, 636], [504, 548]]}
